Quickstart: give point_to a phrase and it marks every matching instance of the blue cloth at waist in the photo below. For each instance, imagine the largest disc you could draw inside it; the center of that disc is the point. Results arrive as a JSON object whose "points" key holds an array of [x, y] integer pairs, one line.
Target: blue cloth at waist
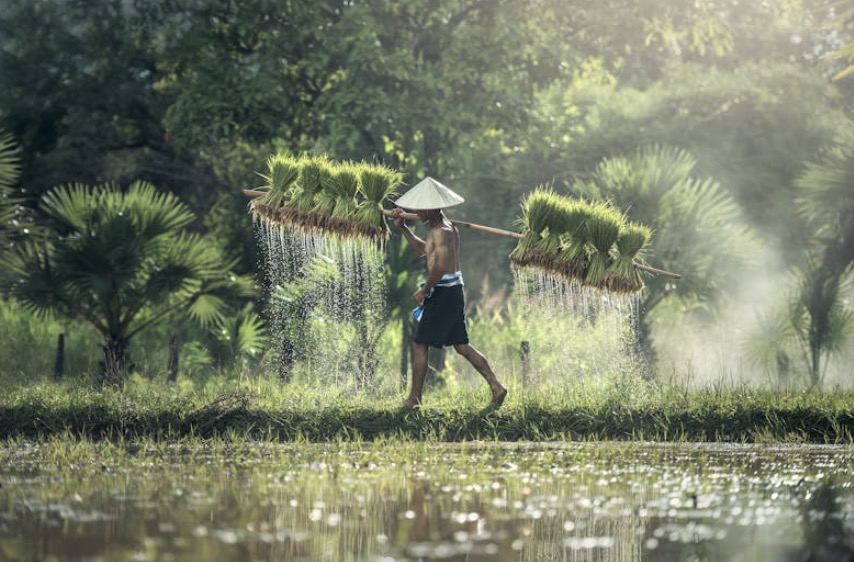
{"points": [[451, 280], [447, 280]]}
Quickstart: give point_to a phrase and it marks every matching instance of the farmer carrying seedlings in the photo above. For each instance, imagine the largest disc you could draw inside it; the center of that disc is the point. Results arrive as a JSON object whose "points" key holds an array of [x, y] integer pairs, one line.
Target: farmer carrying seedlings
{"points": [[440, 300]]}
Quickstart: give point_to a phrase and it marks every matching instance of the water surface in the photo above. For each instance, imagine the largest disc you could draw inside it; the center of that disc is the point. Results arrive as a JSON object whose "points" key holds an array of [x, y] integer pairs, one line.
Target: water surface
{"points": [[427, 501]]}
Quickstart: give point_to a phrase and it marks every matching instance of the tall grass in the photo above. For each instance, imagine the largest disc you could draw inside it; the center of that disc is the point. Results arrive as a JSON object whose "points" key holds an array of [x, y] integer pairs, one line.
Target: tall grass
{"points": [[262, 409]]}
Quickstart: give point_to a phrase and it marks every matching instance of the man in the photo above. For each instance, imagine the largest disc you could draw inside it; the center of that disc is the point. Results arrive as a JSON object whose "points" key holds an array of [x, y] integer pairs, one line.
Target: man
{"points": [[440, 300]]}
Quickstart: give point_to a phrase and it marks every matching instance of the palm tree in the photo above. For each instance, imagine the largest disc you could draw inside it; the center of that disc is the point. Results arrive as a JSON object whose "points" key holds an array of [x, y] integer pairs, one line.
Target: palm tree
{"points": [[122, 261], [819, 317], [826, 200], [696, 223], [9, 174]]}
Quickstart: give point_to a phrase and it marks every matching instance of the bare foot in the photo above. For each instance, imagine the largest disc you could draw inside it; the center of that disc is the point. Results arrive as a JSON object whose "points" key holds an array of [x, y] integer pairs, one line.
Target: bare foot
{"points": [[498, 397], [411, 404]]}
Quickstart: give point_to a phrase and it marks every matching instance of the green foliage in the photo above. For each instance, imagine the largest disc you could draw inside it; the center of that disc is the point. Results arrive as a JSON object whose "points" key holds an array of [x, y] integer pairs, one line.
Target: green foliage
{"points": [[224, 412], [238, 335], [10, 207], [826, 200], [123, 262], [10, 168], [821, 320], [799, 340], [724, 119], [28, 345], [840, 18]]}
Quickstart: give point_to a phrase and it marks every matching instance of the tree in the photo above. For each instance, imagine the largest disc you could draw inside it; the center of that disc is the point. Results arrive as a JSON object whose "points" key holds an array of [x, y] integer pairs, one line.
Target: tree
{"points": [[821, 320], [826, 200], [122, 261]]}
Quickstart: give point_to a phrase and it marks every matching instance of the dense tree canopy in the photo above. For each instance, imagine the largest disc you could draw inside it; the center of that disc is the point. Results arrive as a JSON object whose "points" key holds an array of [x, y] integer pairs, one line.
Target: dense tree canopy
{"points": [[492, 96]]}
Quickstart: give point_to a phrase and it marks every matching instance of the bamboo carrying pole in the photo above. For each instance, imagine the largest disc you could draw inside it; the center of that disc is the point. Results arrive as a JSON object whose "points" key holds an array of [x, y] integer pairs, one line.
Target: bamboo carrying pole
{"points": [[253, 193]]}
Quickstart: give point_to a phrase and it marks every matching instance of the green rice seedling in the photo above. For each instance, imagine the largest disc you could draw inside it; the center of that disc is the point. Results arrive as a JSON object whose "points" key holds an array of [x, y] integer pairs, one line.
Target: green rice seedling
{"points": [[314, 171], [345, 185], [602, 229], [630, 245], [324, 200], [558, 223], [282, 173], [377, 184], [537, 208], [574, 249]]}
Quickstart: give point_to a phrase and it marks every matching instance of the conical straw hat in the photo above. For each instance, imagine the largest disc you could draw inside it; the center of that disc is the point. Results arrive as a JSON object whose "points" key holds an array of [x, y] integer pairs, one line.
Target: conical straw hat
{"points": [[429, 194]]}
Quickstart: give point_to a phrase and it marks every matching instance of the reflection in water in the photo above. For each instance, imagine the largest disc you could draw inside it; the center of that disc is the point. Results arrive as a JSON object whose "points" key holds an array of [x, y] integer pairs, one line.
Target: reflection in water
{"points": [[408, 502]]}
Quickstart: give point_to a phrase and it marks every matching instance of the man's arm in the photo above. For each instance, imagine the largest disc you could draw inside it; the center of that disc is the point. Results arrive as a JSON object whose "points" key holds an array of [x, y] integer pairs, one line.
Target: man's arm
{"points": [[417, 244]]}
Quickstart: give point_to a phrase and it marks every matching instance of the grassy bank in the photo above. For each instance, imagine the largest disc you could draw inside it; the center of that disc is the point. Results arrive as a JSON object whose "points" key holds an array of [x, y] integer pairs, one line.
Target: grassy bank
{"points": [[267, 411]]}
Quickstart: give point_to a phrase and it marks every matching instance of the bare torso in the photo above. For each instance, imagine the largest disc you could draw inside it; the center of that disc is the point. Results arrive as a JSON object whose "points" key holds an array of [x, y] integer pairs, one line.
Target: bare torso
{"points": [[442, 248]]}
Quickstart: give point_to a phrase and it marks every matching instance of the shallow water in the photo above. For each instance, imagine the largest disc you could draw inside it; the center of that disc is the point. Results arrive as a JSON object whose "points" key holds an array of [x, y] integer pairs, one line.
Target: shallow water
{"points": [[407, 502]]}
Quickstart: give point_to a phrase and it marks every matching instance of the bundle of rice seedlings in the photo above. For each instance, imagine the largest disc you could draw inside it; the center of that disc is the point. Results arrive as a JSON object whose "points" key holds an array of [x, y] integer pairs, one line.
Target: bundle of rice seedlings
{"points": [[574, 250], [602, 229], [623, 276], [314, 171], [338, 190], [537, 209], [345, 184], [282, 173], [377, 184]]}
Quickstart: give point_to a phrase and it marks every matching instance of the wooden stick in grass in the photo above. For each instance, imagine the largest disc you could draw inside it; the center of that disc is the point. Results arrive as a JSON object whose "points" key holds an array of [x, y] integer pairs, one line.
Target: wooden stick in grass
{"points": [[253, 193]]}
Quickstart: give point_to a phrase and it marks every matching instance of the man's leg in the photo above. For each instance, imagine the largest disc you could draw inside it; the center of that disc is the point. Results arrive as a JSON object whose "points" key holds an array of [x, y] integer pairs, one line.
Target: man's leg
{"points": [[481, 365], [419, 373]]}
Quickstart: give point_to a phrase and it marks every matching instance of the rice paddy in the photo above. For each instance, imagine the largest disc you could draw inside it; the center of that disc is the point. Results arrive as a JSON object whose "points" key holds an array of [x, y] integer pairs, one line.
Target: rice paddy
{"points": [[64, 499]]}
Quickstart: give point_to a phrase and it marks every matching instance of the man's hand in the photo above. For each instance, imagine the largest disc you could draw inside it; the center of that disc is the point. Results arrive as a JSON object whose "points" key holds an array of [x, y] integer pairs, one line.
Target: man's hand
{"points": [[418, 296], [397, 217]]}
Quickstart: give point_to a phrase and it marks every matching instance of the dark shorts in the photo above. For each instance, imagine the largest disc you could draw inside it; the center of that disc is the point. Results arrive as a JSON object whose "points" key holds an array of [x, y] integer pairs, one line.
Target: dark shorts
{"points": [[443, 321]]}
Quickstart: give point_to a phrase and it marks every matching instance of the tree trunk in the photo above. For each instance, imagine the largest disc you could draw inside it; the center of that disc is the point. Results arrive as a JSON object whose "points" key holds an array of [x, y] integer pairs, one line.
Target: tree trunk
{"points": [[286, 360], [115, 363], [59, 365], [173, 358], [815, 365], [525, 356]]}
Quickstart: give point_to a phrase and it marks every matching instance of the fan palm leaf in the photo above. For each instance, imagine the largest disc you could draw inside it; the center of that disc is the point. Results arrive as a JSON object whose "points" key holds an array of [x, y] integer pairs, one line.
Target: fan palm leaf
{"points": [[10, 169], [122, 261]]}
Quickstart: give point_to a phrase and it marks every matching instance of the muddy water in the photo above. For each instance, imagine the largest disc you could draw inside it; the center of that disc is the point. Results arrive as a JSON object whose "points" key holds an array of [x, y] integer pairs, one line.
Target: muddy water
{"points": [[407, 502]]}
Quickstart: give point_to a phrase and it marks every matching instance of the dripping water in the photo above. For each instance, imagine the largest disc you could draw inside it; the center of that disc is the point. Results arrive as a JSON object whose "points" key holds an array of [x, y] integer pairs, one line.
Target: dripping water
{"points": [[326, 300], [574, 329]]}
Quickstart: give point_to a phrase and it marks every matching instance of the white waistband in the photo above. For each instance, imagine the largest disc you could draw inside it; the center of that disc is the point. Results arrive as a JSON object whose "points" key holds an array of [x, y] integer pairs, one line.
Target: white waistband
{"points": [[451, 279]]}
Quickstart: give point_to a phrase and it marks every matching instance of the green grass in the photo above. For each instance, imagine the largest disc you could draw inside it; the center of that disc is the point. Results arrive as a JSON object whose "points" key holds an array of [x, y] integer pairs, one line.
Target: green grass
{"points": [[264, 410]]}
